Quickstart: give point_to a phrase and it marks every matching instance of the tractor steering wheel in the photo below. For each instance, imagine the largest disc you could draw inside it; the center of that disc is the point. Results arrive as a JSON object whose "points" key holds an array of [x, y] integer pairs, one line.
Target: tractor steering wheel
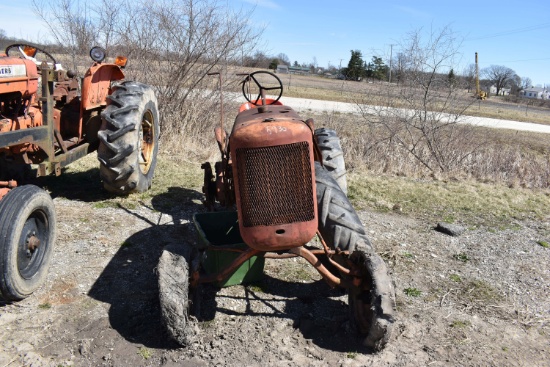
{"points": [[30, 52], [259, 101]]}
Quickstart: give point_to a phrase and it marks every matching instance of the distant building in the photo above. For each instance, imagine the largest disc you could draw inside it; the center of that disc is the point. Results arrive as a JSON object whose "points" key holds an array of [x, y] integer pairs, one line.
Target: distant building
{"points": [[282, 69], [536, 92], [299, 69], [501, 92]]}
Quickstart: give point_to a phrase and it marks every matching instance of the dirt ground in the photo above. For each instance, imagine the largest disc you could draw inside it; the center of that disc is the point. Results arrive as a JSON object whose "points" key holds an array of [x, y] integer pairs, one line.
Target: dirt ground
{"points": [[480, 299]]}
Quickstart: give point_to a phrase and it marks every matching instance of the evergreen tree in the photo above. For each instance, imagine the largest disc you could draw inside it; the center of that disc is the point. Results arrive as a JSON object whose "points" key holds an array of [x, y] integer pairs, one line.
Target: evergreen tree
{"points": [[273, 64], [379, 69], [356, 66], [452, 78]]}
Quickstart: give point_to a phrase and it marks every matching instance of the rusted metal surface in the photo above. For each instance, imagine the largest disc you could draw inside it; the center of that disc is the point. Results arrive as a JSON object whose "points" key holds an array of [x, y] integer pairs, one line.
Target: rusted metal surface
{"points": [[275, 185], [34, 130], [6, 186], [273, 177], [33, 242], [97, 85], [330, 278]]}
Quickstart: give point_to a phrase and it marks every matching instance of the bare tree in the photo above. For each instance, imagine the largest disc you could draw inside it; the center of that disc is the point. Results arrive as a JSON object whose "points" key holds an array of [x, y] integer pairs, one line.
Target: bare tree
{"points": [[526, 82], [283, 58], [171, 44], [70, 22], [469, 76], [500, 76], [427, 127]]}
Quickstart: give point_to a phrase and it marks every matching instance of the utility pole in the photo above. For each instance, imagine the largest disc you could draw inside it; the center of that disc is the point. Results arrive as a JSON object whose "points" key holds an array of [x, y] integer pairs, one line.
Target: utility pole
{"points": [[391, 56]]}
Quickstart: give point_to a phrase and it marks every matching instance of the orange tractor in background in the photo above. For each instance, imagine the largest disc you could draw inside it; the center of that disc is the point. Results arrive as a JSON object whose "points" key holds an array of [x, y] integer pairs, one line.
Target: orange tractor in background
{"points": [[49, 118]]}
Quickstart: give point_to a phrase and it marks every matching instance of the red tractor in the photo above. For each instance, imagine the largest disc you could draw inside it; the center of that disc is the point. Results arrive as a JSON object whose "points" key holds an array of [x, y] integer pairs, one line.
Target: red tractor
{"points": [[287, 182], [49, 117]]}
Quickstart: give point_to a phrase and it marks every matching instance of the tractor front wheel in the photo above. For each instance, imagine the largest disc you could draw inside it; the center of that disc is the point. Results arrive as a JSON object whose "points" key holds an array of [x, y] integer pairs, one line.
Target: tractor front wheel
{"points": [[27, 236], [129, 139], [371, 295], [175, 267], [371, 303]]}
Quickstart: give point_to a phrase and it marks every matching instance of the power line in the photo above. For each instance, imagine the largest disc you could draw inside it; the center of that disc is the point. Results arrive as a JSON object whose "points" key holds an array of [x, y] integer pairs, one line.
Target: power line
{"points": [[512, 31], [547, 58]]}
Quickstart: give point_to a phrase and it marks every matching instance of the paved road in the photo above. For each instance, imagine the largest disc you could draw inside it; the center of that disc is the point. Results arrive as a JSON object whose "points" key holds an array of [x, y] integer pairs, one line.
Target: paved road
{"points": [[302, 104]]}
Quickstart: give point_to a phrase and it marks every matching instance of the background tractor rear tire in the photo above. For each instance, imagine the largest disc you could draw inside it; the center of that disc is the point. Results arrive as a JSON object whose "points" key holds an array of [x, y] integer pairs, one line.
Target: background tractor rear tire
{"points": [[176, 264], [128, 139], [371, 303], [333, 156], [27, 237]]}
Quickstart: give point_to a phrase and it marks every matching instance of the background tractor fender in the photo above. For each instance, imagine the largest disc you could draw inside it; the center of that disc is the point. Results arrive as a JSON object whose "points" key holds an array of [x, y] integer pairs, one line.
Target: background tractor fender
{"points": [[97, 83]]}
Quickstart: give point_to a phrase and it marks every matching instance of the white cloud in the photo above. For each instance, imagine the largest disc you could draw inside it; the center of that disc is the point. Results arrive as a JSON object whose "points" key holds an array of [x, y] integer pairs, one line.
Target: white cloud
{"points": [[413, 12], [264, 3]]}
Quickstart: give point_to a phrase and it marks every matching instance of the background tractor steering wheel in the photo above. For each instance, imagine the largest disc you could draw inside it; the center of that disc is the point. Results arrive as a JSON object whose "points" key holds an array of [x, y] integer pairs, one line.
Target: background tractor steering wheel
{"points": [[259, 101], [30, 52]]}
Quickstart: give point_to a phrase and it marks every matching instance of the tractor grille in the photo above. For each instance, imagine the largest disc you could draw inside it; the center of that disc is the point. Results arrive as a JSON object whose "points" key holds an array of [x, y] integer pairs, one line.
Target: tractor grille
{"points": [[275, 185]]}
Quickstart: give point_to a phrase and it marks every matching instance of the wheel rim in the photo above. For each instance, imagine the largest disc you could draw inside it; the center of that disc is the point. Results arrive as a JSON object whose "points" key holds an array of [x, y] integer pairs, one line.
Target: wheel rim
{"points": [[146, 141], [32, 244]]}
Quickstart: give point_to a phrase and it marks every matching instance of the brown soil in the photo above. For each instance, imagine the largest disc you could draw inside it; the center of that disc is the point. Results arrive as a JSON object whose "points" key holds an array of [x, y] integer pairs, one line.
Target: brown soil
{"points": [[480, 299]]}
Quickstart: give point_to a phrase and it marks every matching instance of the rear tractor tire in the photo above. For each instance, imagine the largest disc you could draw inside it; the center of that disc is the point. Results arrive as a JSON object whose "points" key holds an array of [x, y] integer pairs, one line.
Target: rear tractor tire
{"points": [[333, 156], [372, 302], [128, 139], [27, 237]]}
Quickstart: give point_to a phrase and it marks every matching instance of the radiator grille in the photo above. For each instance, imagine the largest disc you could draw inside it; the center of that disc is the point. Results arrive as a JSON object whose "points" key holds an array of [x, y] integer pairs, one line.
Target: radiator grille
{"points": [[275, 184]]}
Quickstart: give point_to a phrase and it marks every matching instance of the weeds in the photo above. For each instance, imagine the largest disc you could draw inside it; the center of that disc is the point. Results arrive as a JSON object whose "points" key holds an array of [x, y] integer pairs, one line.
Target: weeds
{"points": [[461, 257], [45, 306], [458, 324], [145, 352], [412, 292], [455, 278], [544, 244]]}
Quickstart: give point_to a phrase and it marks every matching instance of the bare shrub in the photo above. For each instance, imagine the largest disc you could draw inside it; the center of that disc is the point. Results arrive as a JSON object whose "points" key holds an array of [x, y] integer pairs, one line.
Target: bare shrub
{"points": [[498, 156], [171, 44], [428, 127]]}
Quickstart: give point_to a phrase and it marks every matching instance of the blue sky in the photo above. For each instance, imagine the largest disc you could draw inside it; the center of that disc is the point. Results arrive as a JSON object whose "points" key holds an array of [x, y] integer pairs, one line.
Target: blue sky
{"points": [[511, 33]]}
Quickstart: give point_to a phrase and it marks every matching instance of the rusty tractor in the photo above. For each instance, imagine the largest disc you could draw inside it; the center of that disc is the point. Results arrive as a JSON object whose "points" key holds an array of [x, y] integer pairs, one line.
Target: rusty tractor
{"points": [[49, 118], [287, 182]]}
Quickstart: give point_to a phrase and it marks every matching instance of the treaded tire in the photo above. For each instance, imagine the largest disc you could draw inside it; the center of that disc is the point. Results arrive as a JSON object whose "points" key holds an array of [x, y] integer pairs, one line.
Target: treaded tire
{"points": [[174, 269], [338, 222], [27, 213], [333, 156], [371, 305], [128, 139]]}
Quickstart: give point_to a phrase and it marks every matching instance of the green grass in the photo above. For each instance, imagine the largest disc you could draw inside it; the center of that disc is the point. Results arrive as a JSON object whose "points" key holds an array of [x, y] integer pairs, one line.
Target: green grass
{"points": [[412, 292], [544, 244], [459, 324], [461, 257], [45, 306], [491, 205], [145, 352], [455, 278]]}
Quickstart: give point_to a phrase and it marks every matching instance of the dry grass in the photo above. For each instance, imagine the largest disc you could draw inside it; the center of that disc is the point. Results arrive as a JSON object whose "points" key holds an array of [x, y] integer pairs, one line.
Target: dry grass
{"points": [[319, 87]]}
